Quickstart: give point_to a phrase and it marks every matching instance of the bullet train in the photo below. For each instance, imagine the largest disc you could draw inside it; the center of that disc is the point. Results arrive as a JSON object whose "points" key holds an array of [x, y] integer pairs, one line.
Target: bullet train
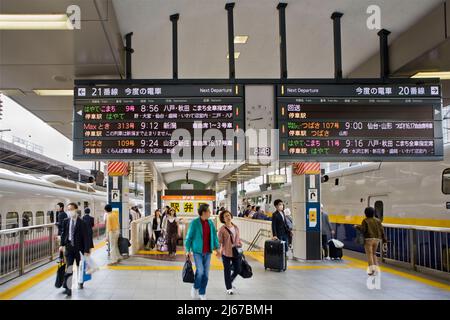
{"points": [[404, 193], [33, 198]]}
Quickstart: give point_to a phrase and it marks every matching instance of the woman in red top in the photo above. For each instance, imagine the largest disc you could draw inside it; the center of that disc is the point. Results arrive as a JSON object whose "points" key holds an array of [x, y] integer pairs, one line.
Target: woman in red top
{"points": [[230, 244]]}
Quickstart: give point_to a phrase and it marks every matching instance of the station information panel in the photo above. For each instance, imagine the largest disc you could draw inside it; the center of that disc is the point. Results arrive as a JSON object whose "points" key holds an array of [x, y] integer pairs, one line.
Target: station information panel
{"points": [[137, 121], [366, 122]]}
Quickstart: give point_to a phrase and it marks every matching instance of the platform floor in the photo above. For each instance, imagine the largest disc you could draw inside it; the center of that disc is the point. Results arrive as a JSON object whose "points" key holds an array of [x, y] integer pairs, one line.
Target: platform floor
{"points": [[155, 276]]}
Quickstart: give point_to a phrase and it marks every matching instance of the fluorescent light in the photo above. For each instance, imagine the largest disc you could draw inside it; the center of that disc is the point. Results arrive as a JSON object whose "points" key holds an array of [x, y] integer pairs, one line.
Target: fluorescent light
{"points": [[443, 75], [236, 55], [53, 92], [35, 22], [240, 39], [12, 92]]}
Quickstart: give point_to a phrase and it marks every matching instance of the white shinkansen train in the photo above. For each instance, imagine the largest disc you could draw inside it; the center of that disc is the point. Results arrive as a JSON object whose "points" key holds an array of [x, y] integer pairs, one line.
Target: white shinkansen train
{"points": [[406, 193], [36, 197]]}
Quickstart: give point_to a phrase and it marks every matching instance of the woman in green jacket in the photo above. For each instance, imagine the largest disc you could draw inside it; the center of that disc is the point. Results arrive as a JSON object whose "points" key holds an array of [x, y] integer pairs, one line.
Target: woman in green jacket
{"points": [[201, 240]]}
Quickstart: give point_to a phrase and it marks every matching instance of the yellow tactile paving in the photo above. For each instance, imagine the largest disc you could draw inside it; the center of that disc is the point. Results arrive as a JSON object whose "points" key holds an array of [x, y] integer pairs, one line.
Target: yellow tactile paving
{"points": [[34, 280]]}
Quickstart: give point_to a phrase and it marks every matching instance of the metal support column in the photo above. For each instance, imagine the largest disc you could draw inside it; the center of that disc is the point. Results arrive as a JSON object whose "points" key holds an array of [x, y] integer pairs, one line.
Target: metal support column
{"points": [[148, 190], [384, 53], [283, 52], [174, 18], [231, 63], [336, 16], [128, 51], [234, 198]]}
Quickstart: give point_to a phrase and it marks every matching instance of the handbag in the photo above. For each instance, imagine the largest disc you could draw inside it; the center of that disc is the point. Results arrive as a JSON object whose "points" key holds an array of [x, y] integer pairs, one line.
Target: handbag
{"points": [[188, 273], [246, 270], [237, 251], [60, 271], [359, 239]]}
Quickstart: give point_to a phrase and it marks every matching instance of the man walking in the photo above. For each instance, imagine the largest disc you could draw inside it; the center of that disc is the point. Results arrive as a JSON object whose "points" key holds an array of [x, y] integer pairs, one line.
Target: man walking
{"points": [[74, 239], [280, 229], [60, 216], [201, 239]]}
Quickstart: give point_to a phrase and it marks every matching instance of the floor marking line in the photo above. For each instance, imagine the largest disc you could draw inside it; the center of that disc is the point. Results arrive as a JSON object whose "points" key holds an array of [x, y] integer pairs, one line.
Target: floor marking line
{"points": [[23, 286], [363, 265]]}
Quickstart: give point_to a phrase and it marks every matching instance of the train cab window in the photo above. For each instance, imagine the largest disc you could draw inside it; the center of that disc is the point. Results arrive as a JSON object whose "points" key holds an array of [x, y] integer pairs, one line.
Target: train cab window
{"points": [[446, 181], [39, 217], [379, 209], [27, 219], [12, 220]]}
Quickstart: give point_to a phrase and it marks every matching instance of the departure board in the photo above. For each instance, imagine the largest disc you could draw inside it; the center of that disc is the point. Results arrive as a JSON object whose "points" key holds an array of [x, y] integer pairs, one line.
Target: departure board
{"points": [[143, 121], [366, 122]]}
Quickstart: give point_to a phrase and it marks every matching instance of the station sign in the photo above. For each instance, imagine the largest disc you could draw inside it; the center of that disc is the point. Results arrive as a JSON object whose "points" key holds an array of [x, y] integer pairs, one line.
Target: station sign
{"points": [[359, 122], [137, 121]]}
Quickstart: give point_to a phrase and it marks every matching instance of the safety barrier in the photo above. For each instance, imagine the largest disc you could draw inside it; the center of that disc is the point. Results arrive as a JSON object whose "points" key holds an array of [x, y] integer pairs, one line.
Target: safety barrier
{"points": [[23, 249], [424, 249]]}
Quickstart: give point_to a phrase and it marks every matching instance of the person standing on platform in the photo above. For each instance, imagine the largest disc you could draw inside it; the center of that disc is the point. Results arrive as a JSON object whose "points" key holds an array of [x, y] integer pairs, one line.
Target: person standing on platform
{"points": [[156, 225], [201, 240], [373, 232], [74, 239], [280, 230], [90, 222], [113, 232], [229, 243], [327, 232], [61, 215], [170, 226]]}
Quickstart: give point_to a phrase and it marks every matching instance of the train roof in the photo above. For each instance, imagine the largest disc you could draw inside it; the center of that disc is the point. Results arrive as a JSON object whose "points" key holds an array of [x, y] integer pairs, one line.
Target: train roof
{"points": [[52, 181]]}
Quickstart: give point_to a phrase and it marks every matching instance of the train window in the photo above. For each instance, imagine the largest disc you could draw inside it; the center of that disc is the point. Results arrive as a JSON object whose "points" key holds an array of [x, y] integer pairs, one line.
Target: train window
{"points": [[12, 220], [50, 216], [27, 219], [39, 217], [446, 181], [379, 209]]}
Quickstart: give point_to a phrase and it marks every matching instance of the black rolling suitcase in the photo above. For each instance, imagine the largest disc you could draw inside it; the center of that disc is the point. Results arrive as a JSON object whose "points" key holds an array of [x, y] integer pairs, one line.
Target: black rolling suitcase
{"points": [[124, 243], [275, 255], [335, 251]]}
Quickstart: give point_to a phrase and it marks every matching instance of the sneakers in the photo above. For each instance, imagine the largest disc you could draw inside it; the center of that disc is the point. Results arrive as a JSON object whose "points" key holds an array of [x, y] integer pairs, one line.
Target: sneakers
{"points": [[194, 293], [230, 291], [68, 292], [202, 297]]}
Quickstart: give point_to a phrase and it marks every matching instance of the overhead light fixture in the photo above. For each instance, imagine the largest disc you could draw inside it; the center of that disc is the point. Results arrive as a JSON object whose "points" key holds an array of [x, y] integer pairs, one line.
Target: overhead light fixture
{"points": [[35, 22], [443, 75], [236, 55], [240, 39], [12, 92], [53, 92]]}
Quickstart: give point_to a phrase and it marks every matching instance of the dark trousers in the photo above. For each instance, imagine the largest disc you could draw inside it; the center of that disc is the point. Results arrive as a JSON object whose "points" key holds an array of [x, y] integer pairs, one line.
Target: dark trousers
{"points": [[71, 256], [157, 235], [172, 243], [230, 276], [325, 245]]}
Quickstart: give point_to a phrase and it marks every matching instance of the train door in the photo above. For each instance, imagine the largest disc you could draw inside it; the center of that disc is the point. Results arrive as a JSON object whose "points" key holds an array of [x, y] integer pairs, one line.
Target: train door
{"points": [[379, 203]]}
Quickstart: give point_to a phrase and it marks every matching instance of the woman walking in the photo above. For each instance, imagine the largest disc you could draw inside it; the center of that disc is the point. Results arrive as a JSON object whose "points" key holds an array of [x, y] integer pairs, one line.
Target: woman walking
{"points": [[230, 246], [373, 232], [156, 225], [170, 225]]}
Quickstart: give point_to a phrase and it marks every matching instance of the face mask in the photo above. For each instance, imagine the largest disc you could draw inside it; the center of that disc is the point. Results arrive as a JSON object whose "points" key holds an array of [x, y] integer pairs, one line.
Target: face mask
{"points": [[73, 214]]}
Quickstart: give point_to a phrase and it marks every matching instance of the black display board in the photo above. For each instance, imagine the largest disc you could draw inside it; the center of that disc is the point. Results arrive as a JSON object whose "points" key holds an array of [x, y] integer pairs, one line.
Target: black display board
{"points": [[359, 122], [136, 121]]}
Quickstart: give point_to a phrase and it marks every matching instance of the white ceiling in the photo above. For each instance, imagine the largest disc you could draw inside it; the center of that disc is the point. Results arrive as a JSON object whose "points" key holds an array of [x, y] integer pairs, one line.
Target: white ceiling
{"points": [[202, 32]]}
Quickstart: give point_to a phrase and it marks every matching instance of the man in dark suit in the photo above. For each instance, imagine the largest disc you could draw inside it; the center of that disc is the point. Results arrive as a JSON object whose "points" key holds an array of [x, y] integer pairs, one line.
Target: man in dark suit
{"points": [[74, 239], [280, 229], [90, 222], [60, 216]]}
